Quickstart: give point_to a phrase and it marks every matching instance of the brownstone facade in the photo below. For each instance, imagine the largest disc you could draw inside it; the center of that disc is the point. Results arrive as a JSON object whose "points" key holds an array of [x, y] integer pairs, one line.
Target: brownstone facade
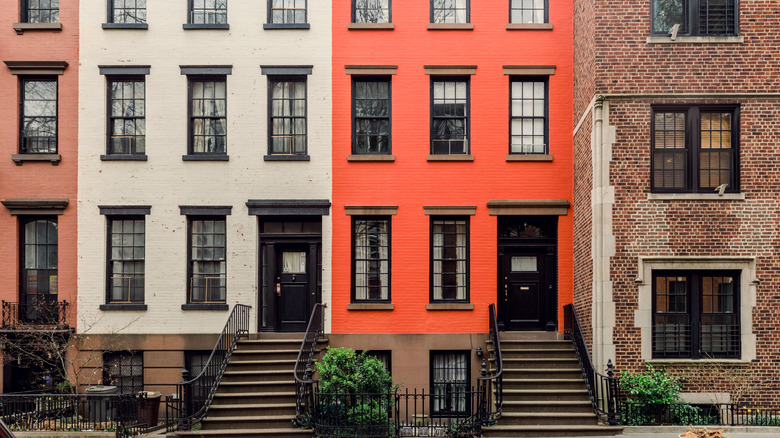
{"points": [[627, 231]]}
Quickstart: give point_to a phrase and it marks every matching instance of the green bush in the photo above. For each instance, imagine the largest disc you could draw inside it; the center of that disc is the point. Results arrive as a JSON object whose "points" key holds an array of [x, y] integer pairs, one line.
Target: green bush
{"points": [[653, 397]]}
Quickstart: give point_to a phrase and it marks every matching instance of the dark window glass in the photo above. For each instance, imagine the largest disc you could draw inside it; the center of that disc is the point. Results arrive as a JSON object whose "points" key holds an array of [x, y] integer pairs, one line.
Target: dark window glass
{"points": [[208, 118], [39, 282], [208, 281], [449, 116], [371, 258], [694, 149], [449, 11], [127, 117], [128, 11], [449, 259], [288, 115], [449, 383], [370, 11], [529, 116], [696, 315], [41, 11], [528, 11], [126, 264], [287, 12], [384, 356], [371, 110], [39, 116], [195, 362], [208, 11], [695, 17], [125, 370]]}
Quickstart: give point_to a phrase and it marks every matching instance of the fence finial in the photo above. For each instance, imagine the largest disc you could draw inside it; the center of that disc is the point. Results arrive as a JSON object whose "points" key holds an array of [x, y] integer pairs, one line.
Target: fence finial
{"points": [[609, 368]]}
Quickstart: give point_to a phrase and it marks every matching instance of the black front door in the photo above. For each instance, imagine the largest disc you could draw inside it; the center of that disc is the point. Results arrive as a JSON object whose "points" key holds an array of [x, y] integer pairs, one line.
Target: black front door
{"points": [[525, 289], [294, 299]]}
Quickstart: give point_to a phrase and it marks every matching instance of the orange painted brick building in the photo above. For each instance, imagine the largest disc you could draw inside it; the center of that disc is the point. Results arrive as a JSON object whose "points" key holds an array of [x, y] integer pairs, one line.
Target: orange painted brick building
{"points": [[452, 175], [38, 121]]}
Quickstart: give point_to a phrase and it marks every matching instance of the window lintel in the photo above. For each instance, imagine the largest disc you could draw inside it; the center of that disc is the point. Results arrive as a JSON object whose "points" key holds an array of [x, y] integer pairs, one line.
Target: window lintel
{"points": [[529, 70], [20, 207], [124, 69], [125, 210], [37, 67], [206, 69], [206, 210], [286, 70]]}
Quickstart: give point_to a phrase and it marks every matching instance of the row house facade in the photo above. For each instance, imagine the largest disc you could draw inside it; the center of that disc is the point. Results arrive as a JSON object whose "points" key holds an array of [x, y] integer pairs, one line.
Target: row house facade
{"points": [[38, 191], [204, 171], [675, 191]]}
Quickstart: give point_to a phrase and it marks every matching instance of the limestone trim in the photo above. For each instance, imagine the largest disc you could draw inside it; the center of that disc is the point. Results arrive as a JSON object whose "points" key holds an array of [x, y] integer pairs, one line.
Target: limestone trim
{"points": [[538, 207], [643, 315], [695, 197], [19, 159], [286, 70], [21, 27], [29, 206], [371, 210], [36, 67], [370, 158], [450, 69], [449, 306], [370, 306], [450, 26], [125, 69], [529, 157], [371, 69], [450, 157], [529, 70], [529, 26], [450, 210]]}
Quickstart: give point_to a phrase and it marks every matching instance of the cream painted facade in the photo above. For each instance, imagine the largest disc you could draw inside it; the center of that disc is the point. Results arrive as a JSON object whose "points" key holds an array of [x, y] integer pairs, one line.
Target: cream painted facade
{"points": [[165, 181]]}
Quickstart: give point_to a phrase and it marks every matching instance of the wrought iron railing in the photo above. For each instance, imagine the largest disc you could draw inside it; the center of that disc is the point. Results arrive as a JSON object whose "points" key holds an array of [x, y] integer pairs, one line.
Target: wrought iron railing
{"points": [[494, 395], [401, 413], [602, 389], [193, 396], [125, 414], [714, 414], [304, 381], [37, 313]]}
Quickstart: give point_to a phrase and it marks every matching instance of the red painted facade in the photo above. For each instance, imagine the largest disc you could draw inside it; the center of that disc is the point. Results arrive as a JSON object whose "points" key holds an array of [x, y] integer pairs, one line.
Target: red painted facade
{"points": [[411, 181]]}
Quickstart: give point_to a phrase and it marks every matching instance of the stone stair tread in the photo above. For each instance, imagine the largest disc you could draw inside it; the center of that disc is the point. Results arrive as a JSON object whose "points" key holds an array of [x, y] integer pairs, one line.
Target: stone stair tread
{"points": [[261, 361], [244, 432], [505, 380], [546, 391], [549, 403], [537, 350], [552, 427], [253, 406], [249, 394], [249, 418], [244, 373], [542, 370], [548, 414], [240, 351], [539, 359], [260, 382]]}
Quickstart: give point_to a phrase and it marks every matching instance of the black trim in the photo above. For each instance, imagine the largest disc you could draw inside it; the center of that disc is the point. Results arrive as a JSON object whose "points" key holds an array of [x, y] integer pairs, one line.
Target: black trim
{"points": [[389, 13], [546, 81], [546, 11], [205, 157], [125, 210], [378, 78], [435, 218], [215, 26], [287, 157], [353, 261], [692, 20], [204, 306], [123, 306], [468, 12], [288, 207], [124, 69], [134, 157], [205, 210], [273, 79], [466, 384], [279, 26], [22, 96], [136, 26], [24, 12], [286, 70], [205, 77], [206, 70], [456, 78]]}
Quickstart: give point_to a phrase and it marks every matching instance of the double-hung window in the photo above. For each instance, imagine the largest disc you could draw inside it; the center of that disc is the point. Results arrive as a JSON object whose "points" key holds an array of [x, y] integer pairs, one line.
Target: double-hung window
{"points": [[125, 370], [127, 11], [127, 115], [38, 130], [371, 259], [40, 11], [449, 259], [208, 12], [287, 104], [371, 107], [695, 17], [208, 115], [126, 259], [287, 13], [528, 11], [694, 148], [529, 116], [450, 11], [371, 11], [450, 379], [696, 314], [207, 261], [450, 115]]}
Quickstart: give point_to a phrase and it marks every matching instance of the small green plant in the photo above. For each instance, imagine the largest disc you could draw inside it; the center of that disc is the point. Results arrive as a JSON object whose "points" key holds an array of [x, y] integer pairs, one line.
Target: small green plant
{"points": [[653, 397]]}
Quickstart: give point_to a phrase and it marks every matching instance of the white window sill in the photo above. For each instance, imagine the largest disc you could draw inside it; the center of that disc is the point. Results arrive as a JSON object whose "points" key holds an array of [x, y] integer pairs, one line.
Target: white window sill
{"points": [[695, 197], [696, 40]]}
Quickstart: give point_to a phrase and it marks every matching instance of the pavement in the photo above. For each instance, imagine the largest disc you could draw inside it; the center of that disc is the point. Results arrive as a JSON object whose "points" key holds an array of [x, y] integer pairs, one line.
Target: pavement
{"points": [[675, 431]]}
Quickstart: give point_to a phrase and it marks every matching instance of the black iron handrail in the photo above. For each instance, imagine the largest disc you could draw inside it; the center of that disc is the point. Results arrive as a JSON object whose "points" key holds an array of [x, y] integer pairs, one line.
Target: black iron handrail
{"points": [[602, 389], [493, 391], [303, 372], [195, 395]]}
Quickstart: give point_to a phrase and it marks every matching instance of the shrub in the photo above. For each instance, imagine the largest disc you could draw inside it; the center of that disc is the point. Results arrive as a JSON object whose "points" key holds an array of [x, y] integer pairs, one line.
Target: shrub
{"points": [[653, 397]]}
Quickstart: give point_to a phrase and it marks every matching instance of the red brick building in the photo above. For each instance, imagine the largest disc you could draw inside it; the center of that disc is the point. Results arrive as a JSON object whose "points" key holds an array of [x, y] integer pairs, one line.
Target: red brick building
{"points": [[451, 176], [38, 119], [675, 187]]}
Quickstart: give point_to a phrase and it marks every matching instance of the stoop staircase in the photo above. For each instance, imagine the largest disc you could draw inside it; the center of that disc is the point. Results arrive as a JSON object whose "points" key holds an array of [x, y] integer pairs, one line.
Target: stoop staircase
{"points": [[256, 397], [544, 393]]}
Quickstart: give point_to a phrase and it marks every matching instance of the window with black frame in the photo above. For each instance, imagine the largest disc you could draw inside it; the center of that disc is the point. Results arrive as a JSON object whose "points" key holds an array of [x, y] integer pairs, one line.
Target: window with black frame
{"points": [[195, 362], [125, 370], [287, 11], [208, 265], [38, 130], [695, 17], [449, 259], [696, 314], [208, 115], [287, 97], [450, 116], [40, 11], [529, 116], [450, 11], [371, 115], [127, 255], [371, 259], [127, 115], [450, 380], [528, 11], [695, 149], [127, 11], [208, 12], [371, 11]]}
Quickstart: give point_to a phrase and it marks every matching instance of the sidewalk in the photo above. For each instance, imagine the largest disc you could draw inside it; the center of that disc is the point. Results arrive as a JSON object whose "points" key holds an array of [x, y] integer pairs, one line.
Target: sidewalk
{"points": [[675, 431]]}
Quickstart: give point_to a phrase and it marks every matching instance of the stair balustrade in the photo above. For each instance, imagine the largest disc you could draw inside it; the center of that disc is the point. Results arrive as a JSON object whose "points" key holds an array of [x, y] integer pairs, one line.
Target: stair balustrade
{"points": [[493, 385], [304, 381]]}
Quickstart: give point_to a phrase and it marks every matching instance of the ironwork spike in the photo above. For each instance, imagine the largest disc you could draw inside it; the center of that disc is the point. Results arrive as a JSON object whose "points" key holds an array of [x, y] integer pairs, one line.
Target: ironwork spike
{"points": [[609, 368]]}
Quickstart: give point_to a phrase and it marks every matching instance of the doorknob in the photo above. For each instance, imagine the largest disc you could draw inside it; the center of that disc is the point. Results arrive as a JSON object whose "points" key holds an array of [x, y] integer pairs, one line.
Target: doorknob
{"points": [[293, 278]]}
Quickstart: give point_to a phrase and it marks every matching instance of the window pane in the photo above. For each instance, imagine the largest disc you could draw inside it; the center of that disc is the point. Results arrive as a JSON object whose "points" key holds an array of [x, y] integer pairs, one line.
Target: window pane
{"points": [[667, 13], [450, 260], [371, 266]]}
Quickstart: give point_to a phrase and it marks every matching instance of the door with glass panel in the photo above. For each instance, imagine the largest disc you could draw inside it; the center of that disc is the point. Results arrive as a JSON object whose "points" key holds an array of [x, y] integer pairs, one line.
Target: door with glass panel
{"points": [[39, 280], [293, 301], [524, 289]]}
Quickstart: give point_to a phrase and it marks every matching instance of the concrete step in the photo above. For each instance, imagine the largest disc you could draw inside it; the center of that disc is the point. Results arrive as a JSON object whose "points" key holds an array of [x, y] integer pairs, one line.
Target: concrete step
{"points": [[244, 364], [578, 406], [541, 373], [509, 344], [239, 408], [549, 363], [500, 431], [278, 354], [266, 397], [532, 353], [248, 433], [553, 384], [543, 396], [256, 397], [256, 422], [257, 376], [530, 336], [548, 418]]}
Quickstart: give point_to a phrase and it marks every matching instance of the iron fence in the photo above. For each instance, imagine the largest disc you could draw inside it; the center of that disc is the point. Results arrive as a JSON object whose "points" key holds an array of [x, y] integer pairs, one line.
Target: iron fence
{"points": [[36, 313], [710, 414], [303, 371], [494, 394]]}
